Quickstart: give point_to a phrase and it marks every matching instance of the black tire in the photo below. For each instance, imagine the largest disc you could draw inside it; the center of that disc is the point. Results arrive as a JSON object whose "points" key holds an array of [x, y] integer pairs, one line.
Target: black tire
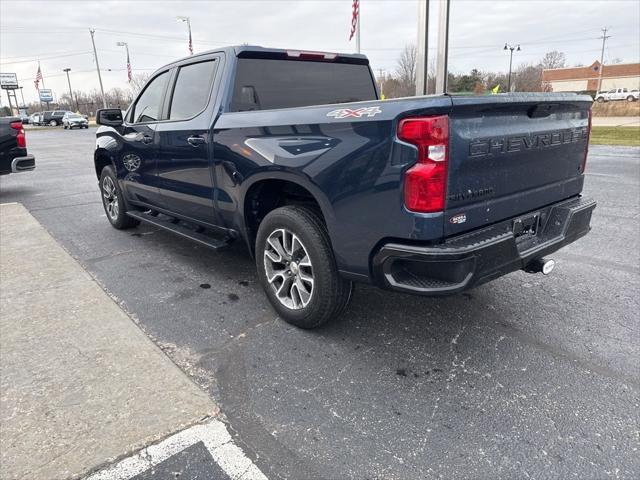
{"points": [[599, 99], [631, 98], [330, 293], [116, 214]]}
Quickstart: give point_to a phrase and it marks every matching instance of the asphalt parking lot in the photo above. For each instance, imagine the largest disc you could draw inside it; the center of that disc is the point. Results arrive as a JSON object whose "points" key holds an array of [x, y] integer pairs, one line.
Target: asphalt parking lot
{"points": [[524, 377]]}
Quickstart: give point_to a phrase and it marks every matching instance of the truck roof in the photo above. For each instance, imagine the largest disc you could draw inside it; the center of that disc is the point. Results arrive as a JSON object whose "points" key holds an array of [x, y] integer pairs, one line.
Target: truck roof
{"points": [[256, 51]]}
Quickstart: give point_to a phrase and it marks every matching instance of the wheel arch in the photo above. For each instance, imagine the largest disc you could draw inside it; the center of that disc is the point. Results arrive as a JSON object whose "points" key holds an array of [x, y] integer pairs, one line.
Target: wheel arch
{"points": [[102, 158], [265, 193]]}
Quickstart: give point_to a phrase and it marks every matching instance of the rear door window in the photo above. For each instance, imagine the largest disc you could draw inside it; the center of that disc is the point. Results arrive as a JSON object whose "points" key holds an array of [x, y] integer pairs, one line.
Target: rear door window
{"points": [[149, 104], [262, 84], [192, 90]]}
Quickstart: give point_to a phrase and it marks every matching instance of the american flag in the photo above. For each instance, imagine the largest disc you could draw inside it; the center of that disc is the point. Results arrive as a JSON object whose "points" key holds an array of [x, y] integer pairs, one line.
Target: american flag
{"points": [[38, 78], [129, 73], [354, 18], [190, 42]]}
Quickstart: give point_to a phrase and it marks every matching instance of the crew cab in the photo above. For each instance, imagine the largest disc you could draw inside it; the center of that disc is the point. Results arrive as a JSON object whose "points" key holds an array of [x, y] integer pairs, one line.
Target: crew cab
{"points": [[617, 94], [13, 147], [293, 153]]}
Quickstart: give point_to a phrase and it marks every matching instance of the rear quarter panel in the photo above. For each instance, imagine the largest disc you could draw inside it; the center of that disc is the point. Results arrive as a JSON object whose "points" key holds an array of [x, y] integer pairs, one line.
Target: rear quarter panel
{"points": [[353, 166]]}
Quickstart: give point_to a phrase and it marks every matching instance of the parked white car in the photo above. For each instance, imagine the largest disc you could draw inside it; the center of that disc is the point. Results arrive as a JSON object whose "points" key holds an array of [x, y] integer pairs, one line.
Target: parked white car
{"points": [[617, 94]]}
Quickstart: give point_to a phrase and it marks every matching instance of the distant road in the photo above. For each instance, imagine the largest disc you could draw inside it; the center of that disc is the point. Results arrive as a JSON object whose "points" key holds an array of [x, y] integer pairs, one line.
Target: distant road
{"points": [[616, 121]]}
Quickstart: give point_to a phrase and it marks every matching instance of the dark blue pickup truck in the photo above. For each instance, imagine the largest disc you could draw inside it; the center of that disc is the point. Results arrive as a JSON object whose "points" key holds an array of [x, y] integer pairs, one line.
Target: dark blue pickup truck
{"points": [[294, 153]]}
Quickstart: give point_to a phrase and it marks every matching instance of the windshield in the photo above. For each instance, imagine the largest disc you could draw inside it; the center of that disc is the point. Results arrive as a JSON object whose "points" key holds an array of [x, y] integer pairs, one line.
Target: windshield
{"points": [[263, 84]]}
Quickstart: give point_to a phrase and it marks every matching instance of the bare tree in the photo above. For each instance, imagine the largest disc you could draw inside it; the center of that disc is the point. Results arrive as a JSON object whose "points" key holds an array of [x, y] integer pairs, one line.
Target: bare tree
{"points": [[528, 78], [553, 59], [138, 81], [406, 70]]}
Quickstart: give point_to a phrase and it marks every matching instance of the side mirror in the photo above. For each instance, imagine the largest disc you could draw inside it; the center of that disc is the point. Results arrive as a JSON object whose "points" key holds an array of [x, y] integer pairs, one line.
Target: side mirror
{"points": [[111, 117]]}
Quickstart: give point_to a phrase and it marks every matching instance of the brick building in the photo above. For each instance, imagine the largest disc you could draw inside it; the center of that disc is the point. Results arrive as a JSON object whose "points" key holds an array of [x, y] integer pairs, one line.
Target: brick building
{"points": [[582, 79]]}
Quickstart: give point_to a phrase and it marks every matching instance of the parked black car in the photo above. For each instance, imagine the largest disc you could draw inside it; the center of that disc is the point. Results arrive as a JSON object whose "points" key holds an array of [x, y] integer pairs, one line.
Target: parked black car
{"points": [[53, 118]]}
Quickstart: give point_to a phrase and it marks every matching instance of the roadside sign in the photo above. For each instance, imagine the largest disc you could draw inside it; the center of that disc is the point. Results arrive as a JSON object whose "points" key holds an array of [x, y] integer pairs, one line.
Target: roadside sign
{"points": [[46, 95], [8, 81]]}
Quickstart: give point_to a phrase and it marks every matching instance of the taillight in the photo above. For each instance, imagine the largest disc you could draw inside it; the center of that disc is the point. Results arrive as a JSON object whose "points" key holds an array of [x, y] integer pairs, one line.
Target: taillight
{"points": [[425, 183], [20, 138], [583, 165]]}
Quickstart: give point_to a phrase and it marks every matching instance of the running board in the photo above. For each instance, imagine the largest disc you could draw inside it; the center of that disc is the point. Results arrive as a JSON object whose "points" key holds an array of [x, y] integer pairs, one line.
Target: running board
{"points": [[180, 228]]}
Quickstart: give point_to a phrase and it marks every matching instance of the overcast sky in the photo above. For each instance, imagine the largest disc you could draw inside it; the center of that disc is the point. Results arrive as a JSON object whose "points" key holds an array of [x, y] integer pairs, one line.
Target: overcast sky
{"points": [[57, 33]]}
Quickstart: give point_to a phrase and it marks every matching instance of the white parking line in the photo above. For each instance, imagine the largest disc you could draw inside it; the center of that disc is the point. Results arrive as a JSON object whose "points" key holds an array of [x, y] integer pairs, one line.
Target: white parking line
{"points": [[213, 435]]}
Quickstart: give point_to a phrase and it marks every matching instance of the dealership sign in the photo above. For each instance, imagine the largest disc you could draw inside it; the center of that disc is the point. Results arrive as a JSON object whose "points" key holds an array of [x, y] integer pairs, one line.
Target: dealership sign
{"points": [[8, 81], [46, 95]]}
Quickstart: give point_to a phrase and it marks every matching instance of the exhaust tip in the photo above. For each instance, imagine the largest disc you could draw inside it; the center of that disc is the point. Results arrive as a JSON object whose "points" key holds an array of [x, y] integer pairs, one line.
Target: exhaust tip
{"points": [[541, 265], [548, 266]]}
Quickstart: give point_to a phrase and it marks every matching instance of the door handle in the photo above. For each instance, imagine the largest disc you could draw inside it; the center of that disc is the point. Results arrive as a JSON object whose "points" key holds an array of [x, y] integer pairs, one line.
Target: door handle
{"points": [[196, 140], [146, 139]]}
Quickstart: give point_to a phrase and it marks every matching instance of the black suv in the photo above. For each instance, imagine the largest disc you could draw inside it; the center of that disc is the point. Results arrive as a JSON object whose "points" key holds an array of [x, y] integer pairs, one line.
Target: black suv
{"points": [[53, 118]]}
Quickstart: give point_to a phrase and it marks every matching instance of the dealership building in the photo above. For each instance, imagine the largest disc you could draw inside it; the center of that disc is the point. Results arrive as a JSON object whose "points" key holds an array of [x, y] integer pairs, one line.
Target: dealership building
{"points": [[582, 79]]}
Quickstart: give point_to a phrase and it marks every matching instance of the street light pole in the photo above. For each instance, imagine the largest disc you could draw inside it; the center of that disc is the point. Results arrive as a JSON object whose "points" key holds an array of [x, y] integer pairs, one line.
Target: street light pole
{"points": [[126, 46], [22, 95], [188, 20], [511, 48], [67, 70]]}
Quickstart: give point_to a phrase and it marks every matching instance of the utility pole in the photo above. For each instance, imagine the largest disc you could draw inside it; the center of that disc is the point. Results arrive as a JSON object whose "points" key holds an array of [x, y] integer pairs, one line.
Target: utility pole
{"points": [[512, 48], [422, 75], [604, 39], [95, 56], [443, 47], [22, 95]]}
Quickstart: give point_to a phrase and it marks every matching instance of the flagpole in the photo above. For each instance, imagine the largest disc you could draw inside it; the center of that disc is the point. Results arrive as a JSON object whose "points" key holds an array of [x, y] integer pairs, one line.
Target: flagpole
{"points": [[358, 29]]}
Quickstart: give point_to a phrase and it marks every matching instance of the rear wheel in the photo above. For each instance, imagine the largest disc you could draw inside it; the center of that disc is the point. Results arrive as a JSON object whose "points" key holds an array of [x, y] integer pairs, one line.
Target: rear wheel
{"points": [[53, 123], [297, 268], [599, 99], [631, 98], [113, 200]]}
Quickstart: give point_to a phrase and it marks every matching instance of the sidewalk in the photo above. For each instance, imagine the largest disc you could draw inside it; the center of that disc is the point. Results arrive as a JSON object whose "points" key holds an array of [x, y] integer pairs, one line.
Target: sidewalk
{"points": [[80, 383]]}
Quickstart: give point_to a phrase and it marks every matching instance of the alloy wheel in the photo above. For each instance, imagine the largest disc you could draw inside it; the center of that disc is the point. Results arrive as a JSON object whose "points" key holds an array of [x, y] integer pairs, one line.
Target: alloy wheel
{"points": [[288, 268], [110, 198]]}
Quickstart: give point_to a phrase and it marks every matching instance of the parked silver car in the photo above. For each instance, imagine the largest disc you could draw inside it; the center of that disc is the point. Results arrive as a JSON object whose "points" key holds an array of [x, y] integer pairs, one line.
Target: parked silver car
{"points": [[72, 120]]}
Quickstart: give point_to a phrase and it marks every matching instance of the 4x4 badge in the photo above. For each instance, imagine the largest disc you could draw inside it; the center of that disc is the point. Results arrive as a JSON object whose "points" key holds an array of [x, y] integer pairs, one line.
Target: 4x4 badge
{"points": [[357, 113]]}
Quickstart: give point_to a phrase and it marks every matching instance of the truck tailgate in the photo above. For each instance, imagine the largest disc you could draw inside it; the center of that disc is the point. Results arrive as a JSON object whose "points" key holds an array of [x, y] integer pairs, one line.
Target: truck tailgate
{"points": [[513, 154]]}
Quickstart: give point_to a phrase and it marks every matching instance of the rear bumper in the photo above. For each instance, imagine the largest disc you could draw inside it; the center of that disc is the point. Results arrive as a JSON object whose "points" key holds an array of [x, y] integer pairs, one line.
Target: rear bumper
{"points": [[481, 255], [23, 164]]}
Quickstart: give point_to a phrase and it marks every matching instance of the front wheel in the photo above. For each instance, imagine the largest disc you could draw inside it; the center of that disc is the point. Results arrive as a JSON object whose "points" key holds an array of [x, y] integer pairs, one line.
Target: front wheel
{"points": [[53, 123], [297, 268], [113, 200]]}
